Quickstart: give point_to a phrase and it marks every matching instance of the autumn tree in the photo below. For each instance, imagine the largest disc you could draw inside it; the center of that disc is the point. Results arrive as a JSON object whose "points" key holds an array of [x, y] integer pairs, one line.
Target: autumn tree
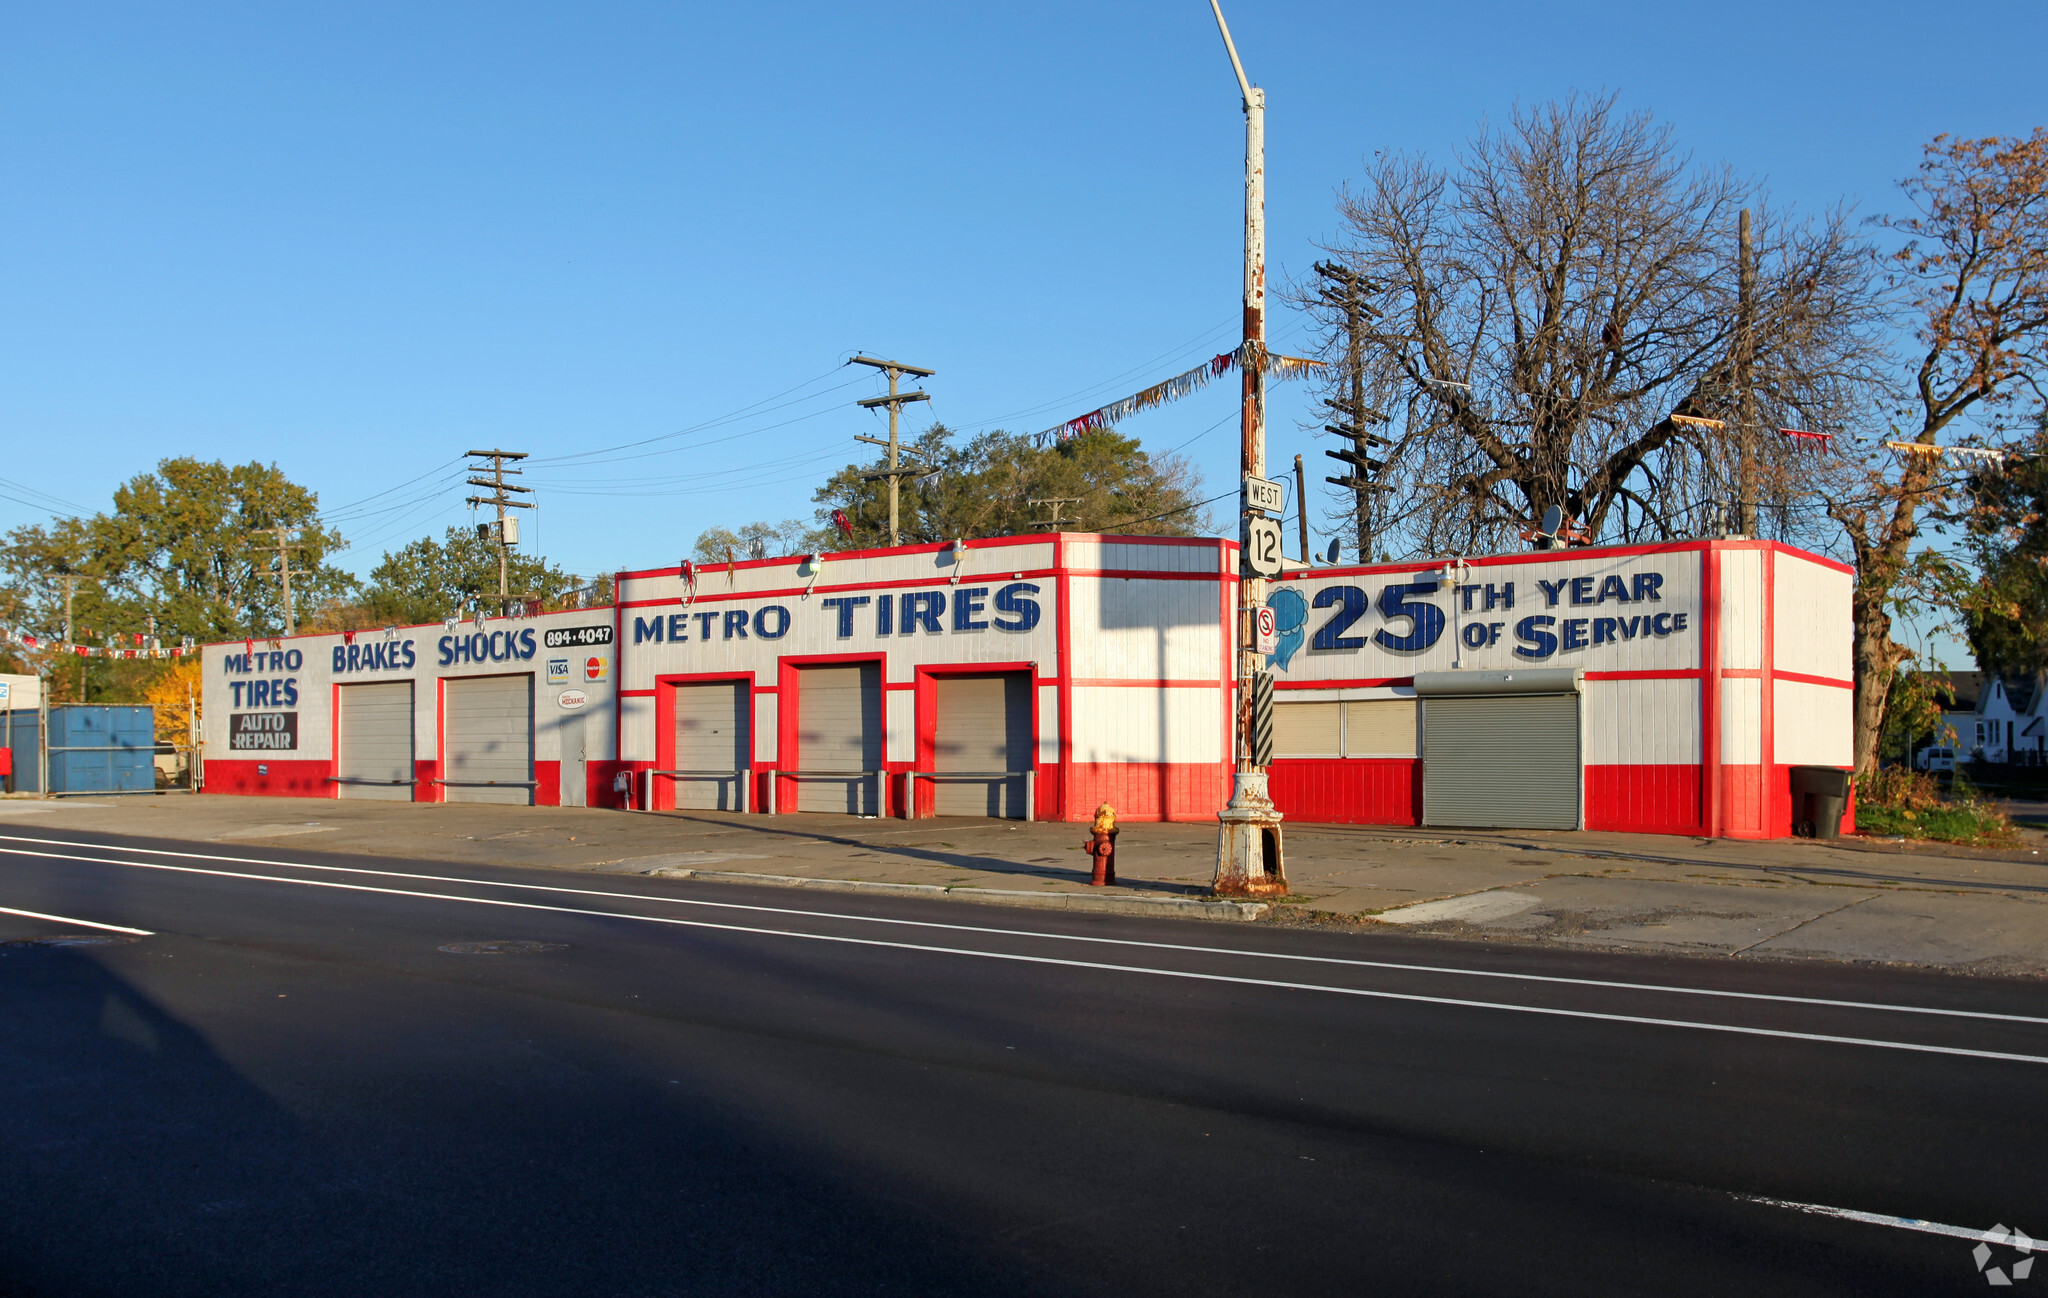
{"points": [[2005, 611], [1972, 274], [1537, 313], [986, 486]]}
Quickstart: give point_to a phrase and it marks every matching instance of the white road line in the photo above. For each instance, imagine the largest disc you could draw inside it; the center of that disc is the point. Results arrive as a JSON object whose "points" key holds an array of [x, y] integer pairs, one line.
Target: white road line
{"points": [[1883, 1006], [1871, 1218], [84, 923], [1267, 983]]}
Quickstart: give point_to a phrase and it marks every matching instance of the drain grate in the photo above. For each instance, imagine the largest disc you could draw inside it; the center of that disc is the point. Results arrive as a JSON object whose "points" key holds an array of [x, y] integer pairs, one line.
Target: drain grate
{"points": [[507, 946]]}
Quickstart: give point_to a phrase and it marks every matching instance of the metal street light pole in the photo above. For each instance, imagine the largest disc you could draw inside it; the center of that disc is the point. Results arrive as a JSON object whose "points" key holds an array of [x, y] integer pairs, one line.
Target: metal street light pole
{"points": [[1248, 835]]}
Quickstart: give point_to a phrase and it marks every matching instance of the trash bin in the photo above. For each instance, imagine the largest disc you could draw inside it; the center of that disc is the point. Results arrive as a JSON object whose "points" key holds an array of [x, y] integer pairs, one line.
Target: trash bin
{"points": [[1820, 794]]}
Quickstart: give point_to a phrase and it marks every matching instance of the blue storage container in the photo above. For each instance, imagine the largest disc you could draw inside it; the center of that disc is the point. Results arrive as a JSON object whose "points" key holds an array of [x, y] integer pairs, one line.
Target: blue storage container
{"points": [[98, 748]]}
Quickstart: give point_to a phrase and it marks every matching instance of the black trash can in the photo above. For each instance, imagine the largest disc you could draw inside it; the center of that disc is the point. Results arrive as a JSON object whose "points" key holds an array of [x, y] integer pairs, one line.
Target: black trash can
{"points": [[1820, 794]]}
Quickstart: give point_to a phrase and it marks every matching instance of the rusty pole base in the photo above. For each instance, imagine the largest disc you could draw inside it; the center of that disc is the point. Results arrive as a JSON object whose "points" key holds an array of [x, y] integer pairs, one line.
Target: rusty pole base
{"points": [[1248, 856]]}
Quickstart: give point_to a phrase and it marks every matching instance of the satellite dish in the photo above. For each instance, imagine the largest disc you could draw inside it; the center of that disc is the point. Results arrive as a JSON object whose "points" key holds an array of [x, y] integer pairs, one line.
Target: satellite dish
{"points": [[1330, 555], [1553, 518]]}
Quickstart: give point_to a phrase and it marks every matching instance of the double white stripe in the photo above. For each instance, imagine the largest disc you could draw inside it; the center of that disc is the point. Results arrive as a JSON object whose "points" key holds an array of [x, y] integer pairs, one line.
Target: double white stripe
{"points": [[1190, 975]]}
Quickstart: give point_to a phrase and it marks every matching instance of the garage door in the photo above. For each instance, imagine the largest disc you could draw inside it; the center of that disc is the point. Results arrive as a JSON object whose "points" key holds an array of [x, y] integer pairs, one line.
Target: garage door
{"points": [[712, 734], [373, 741], [983, 728], [839, 728], [488, 729], [1501, 761]]}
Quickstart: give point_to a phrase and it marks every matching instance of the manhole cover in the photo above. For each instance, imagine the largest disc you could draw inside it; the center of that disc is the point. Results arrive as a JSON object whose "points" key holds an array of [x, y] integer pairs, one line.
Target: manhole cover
{"points": [[503, 947]]}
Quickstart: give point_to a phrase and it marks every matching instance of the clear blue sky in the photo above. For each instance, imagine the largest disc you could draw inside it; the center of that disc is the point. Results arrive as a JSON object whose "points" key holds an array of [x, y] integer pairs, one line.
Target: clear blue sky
{"points": [[358, 240]]}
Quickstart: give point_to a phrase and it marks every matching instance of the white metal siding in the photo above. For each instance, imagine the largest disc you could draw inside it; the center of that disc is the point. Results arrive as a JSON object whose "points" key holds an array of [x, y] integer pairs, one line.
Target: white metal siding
{"points": [[1813, 725], [1742, 608], [1742, 713], [1812, 624], [983, 724], [1494, 761], [373, 749], [1148, 725], [712, 734], [1128, 628], [839, 728], [489, 725], [1642, 723]]}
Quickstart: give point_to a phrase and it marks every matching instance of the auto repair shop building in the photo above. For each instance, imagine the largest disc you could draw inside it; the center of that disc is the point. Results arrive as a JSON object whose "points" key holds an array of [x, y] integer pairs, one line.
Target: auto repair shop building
{"points": [[512, 710], [1661, 688]]}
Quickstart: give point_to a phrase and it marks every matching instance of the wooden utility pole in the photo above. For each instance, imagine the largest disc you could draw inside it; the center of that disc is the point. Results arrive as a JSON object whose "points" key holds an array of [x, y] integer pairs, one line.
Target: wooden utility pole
{"points": [[1346, 292], [1054, 523], [506, 531], [283, 571], [895, 401], [1745, 379]]}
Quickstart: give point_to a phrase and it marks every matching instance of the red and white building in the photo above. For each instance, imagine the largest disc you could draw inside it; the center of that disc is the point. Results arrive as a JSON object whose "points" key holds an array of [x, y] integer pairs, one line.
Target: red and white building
{"points": [[1656, 688]]}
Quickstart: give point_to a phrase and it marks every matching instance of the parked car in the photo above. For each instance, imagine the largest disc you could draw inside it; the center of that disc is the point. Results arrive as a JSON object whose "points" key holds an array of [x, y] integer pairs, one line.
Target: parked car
{"points": [[1935, 759]]}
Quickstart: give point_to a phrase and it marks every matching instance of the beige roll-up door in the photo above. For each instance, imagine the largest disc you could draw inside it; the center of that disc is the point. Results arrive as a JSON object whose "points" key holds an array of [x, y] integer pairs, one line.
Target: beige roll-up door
{"points": [[373, 741], [713, 733], [488, 729], [839, 728], [983, 726], [1501, 761]]}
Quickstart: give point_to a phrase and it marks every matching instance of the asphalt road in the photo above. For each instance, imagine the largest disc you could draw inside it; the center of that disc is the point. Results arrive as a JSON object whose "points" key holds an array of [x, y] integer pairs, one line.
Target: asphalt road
{"points": [[324, 1075]]}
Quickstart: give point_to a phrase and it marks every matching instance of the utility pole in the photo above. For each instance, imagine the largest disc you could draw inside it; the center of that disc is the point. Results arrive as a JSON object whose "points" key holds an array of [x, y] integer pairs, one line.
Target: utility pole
{"points": [[1248, 833], [1053, 524], [506, 531], [1745, 378], [1346, 292], [283, 571], [1301, 509], [896, 471], [70, 589]]}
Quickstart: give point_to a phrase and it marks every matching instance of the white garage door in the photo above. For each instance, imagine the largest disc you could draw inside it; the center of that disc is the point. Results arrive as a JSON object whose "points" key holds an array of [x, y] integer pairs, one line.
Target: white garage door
{"points": [[712, 734], [373, 741], [839, 728], [983, 727], [488, 728]]}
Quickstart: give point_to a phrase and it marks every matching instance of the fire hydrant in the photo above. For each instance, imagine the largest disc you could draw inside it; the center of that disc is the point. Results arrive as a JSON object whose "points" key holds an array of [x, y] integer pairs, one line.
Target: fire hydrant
{"points": [[1102, 846]]}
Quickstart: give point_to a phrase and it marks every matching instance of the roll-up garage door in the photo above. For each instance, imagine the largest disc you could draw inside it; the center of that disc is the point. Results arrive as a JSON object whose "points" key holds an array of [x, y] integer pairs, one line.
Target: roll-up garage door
{"points": [[712, 734], [983, 729], [1492, 758], [839, 728], [488, 730], [373, 741]]}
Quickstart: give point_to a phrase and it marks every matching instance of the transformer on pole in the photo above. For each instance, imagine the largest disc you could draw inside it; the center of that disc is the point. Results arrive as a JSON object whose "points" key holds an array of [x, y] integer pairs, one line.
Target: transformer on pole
{"points": [[1248, 860]]}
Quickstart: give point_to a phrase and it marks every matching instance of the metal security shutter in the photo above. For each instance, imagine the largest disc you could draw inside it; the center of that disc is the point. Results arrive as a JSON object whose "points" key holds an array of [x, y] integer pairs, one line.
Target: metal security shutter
{"points": [[373, 741], [983, 724], [1501, 762], [839, 728], [713, 733], [1380, 728], [1308, 729], [488, 727]]}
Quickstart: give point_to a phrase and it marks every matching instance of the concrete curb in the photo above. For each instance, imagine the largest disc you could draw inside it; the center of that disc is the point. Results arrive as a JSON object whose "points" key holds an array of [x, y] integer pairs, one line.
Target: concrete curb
{"points": [[1176, 907]]}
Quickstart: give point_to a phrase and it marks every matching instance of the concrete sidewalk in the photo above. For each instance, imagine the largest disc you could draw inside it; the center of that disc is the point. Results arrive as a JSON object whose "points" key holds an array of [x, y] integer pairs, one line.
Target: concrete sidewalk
{"points": [[1976, 911]]}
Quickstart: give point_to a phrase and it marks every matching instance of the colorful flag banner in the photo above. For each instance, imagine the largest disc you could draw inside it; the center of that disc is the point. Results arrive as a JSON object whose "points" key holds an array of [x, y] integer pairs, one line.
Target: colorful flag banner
{"points": [[1173, 389]]}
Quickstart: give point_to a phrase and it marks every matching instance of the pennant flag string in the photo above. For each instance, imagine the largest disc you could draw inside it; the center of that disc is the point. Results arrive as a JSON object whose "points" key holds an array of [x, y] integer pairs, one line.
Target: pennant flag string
{"points": [[1173, 389]]}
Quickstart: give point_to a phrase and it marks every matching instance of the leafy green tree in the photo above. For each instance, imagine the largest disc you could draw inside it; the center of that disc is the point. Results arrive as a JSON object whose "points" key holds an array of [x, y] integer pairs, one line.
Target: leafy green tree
{"points": [[985, 488], [2006, 613], [428, 579], [182, 546]]}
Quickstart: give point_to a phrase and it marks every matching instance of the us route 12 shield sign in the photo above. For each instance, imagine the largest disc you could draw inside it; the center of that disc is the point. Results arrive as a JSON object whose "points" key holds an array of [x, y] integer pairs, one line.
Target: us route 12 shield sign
{"points": [[1261, 546]]}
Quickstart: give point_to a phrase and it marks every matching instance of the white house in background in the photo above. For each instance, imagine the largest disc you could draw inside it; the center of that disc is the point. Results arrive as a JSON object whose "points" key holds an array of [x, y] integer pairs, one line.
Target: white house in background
{"points": [[2031, 734], [1990, 730]]}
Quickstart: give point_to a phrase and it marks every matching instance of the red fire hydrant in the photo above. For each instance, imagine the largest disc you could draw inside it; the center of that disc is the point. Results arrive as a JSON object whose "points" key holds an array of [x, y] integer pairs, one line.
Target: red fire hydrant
{"points": [[1102, 846]]}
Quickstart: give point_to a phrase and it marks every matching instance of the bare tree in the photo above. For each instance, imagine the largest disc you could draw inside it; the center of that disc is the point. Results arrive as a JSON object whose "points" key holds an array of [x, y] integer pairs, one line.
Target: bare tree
{"points": [[1544, 308], [1973, 278]]}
